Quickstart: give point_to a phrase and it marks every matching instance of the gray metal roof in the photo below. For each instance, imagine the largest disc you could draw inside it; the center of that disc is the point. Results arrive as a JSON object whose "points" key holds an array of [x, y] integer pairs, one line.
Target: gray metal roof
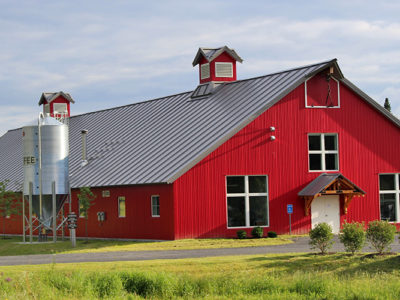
{"points": [[48, 97], [321, 182], [211, 53], [159, 140]]}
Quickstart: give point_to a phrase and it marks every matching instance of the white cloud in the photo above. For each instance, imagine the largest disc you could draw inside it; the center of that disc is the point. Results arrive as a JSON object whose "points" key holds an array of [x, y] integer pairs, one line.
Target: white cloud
{"points": [[97, 46]]}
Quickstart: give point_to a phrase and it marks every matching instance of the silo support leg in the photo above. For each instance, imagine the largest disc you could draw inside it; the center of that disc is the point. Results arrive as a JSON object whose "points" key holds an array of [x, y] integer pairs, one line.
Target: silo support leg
{"points": [[53, 188], [23, 219], [30, 212]]}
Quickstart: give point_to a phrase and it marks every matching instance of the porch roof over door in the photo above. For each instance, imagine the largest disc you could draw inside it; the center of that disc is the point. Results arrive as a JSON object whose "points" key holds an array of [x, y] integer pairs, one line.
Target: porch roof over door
{"points": [[330, 184]]}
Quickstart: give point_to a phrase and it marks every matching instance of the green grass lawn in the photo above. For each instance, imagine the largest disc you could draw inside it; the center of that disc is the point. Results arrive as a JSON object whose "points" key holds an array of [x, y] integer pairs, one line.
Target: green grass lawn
{"points": [[284, 276], [11, 246]]}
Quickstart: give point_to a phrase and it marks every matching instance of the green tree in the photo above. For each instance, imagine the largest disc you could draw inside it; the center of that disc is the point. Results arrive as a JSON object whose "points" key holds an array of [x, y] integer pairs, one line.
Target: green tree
{"points": [[9, 204], [387, 105], [86, 198]]}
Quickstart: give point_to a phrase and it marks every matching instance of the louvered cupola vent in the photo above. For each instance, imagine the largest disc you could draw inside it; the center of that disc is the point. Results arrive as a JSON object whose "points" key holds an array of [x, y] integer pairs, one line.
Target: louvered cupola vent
{"points": [[223, 69], [216, 65]]}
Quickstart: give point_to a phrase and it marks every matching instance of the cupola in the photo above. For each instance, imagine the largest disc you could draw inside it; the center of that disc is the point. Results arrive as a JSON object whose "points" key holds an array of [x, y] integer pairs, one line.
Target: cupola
{"points": [[216, 64], [56, 105]]}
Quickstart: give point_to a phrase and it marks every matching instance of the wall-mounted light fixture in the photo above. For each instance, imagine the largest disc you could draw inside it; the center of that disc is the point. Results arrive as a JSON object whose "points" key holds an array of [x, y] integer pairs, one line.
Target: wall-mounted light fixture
{"points": [[273, 138], [272, 128]]}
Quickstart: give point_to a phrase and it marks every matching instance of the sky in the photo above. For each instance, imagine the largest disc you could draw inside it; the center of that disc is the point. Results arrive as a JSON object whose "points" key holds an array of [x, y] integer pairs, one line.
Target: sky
{"points": [[113, 53]]}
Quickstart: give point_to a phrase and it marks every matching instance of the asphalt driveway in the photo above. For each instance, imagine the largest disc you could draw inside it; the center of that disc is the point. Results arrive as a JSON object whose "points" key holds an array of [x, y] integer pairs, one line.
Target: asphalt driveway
{"points": [[299, 245]]}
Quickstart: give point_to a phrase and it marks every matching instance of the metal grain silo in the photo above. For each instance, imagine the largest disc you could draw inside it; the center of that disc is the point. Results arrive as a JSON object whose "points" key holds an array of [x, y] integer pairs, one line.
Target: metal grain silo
{"points": [[46, 161]]}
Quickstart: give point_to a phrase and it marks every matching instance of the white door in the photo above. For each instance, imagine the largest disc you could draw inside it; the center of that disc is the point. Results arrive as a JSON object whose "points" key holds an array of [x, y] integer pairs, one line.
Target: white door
{"points": [[326, 209]]}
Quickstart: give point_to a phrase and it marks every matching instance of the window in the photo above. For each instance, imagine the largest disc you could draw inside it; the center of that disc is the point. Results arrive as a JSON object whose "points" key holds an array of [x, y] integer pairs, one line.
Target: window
{"points": [[223, 69], [247, 201], [60, 108], [155, 206], [81, 212], [321, 92], [323, 152], [205, 71], [389, 190], [47, 109], [105, 194], [121, 207]]}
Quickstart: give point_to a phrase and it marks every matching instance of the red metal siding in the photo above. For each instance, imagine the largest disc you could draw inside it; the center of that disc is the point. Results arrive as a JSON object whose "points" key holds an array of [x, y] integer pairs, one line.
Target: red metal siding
{"points": [[138, 223], [368, 145], [223, 57], [59, 99]]}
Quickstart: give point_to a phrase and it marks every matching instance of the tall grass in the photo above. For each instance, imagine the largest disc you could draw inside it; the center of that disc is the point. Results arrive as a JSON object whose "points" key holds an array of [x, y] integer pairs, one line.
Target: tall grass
{"points": [[53, 284]]}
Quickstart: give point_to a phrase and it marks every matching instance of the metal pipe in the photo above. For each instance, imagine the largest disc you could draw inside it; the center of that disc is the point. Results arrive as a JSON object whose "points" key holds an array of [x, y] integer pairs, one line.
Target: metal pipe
{"points": [[53, 189], [84, 147], [30, 211], [40, 166], [62, 224], [23, 218]]}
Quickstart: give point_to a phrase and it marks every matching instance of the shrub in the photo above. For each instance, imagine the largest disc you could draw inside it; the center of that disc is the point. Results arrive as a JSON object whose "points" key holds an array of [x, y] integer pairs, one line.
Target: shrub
{"points": [[241, 234], [321, 237], [257, 232], [380, 234], [352, 236], [272, 234]]}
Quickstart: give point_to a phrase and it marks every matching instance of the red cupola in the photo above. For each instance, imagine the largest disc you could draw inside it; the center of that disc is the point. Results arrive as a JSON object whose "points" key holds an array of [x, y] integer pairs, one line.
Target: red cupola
{"points": [[56, 105], [216, 64]]}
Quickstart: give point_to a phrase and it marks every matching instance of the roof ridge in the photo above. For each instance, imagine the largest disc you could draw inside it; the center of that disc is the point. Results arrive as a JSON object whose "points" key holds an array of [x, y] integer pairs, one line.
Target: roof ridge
{"points": [[230, 82], [131, 104], [284, 71]]}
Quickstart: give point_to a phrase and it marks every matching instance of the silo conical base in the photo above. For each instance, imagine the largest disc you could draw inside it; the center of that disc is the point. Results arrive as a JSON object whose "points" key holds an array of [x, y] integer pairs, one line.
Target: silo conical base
{"points": [[46, 217]]}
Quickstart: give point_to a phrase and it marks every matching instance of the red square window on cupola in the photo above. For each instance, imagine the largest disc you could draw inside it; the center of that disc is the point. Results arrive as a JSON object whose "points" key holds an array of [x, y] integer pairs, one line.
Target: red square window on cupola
{"points": [[322, 91]]}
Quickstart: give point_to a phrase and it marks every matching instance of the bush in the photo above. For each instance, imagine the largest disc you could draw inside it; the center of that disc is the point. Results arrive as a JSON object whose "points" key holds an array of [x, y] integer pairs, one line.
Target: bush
{"points": [[321, 237], [257, 232], [380, 234], [352, 236], [272, 234], [241, 234]]}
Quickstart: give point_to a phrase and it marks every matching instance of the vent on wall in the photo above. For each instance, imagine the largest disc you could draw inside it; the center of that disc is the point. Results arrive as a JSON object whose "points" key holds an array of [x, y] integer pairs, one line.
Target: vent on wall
{"points": [[223, 69], [205, 71]]}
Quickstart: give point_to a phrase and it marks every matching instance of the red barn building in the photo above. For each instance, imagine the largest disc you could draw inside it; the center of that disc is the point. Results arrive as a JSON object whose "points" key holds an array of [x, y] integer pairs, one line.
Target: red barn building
{"points": [[232, 155]]}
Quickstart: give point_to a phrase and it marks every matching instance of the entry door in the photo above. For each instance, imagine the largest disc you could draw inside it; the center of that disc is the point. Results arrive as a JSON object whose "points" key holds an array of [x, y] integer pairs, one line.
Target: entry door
{"points": [[326, 209]]}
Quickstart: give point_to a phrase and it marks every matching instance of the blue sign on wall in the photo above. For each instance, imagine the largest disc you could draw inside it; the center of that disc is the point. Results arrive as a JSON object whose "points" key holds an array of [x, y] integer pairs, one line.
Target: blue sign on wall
{"points": [[290, 208]]}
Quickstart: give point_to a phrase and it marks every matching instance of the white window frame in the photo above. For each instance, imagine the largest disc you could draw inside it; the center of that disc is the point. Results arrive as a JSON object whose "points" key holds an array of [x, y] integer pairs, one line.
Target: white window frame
{"points": [[223, 63], [323, 152], [64, 105], [396, 192], [323, 106], [81, 214], [247, 196], [152, 206], [204, 75], [120, 199], [47, 109]]}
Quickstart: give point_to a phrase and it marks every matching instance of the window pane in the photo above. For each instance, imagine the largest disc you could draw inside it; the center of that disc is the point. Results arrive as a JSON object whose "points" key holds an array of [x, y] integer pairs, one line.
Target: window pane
{"points": [[331, 162], [235, 184], [315, 162], [386, 182], [258, 211], [121, 208], [388, 207], [314, 142], [155, 205], [330, 142], [236, 212], [257, 184]]}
